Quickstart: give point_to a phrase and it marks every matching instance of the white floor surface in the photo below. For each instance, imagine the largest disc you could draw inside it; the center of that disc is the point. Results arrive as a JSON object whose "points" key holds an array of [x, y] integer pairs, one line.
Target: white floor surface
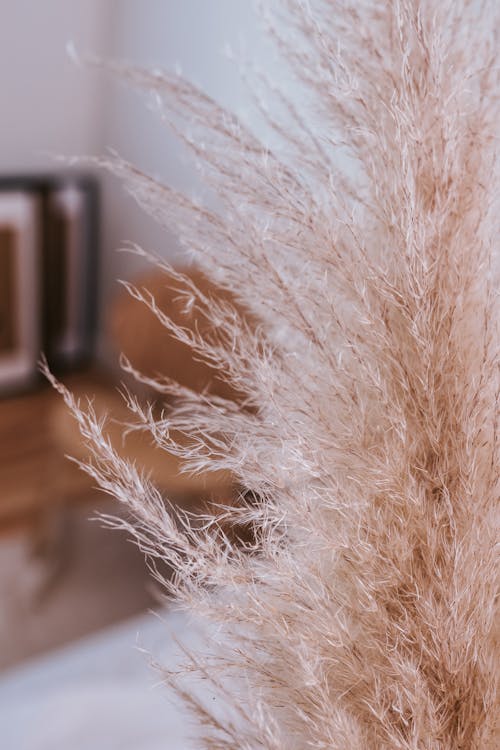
{"points": [[100, 693]]}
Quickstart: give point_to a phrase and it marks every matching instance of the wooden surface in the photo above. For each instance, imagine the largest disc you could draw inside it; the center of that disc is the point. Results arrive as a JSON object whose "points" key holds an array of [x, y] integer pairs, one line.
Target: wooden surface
{"points": [[34, 475], [37, 432]]}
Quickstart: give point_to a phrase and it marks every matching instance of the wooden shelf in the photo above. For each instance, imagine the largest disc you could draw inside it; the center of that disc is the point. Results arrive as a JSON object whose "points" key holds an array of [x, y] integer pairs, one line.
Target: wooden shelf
{"points": [[37, 432], [35, 477]]}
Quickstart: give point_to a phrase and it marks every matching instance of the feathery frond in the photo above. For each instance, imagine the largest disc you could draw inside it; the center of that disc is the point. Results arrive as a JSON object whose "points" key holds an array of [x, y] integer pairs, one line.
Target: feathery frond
{"points": [[362, 614]]}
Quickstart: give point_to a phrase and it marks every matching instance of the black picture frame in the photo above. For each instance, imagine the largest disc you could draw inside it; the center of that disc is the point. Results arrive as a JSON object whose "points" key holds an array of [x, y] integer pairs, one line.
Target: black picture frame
{"points": [[70, 270], [48, 288]]}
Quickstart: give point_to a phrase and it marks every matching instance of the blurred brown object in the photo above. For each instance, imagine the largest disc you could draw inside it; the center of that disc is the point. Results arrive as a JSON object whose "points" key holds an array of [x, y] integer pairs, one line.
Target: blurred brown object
{"points": [[164, 468], [37, 430], [137, 333]]}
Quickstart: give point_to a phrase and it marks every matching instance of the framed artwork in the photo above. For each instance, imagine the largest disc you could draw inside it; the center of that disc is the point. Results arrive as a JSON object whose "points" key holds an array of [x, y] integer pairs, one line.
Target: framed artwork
{"points": [[20, 266], [48, 258]]}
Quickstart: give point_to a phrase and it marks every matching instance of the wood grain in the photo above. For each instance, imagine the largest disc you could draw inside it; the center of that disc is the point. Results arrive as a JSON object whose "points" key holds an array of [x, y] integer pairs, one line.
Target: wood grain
{"points": [[37, 432], [35, 477]]}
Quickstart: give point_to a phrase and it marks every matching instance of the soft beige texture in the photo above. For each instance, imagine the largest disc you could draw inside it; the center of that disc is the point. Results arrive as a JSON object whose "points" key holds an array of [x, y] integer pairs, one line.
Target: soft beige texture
{"points": [[362, 613]]}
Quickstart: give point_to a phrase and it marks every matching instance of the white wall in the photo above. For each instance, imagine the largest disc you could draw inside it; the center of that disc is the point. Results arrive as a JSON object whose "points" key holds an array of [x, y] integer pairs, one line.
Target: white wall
{"points": [[47, 104], [192, 34]]}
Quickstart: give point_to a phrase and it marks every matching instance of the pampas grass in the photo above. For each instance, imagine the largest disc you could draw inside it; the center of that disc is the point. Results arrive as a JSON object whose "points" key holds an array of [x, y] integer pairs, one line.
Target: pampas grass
{"points": [[364, 242]]}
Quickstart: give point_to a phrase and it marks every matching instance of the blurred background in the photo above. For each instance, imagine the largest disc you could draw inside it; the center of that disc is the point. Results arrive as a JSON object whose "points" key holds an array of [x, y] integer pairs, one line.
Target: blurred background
{"points": [[62, 576]]}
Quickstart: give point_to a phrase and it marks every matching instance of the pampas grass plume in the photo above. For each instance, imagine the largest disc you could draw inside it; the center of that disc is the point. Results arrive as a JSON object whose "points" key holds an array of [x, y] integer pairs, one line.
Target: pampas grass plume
{"points": [[364, 243]]}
